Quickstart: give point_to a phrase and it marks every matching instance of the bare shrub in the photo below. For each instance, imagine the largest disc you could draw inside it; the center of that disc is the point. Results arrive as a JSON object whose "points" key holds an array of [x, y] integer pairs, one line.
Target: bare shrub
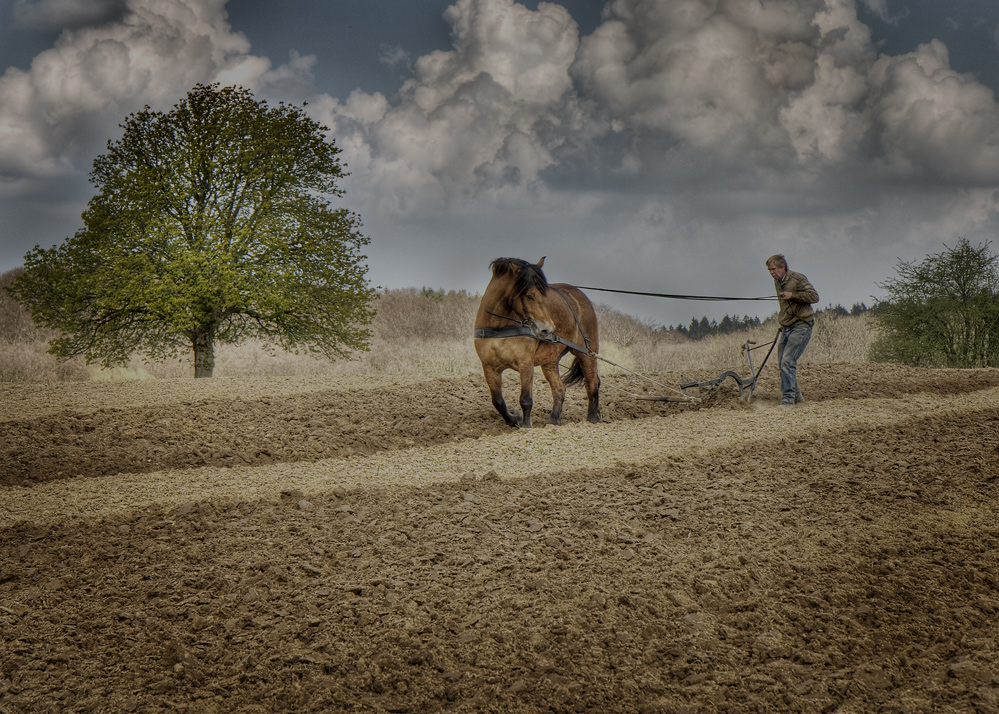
{"points": [[24, 355], [16, 324], [422, 314], [842, 339], [29, 361]]}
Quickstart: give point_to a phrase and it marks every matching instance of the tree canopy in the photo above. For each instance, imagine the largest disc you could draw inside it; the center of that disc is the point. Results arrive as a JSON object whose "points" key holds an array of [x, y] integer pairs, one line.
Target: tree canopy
{"points": [[942, 312], [212, 223]]}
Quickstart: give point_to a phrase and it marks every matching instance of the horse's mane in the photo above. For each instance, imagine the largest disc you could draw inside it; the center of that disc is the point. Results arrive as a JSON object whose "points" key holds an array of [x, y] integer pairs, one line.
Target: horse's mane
{"points": [[529, 275]]}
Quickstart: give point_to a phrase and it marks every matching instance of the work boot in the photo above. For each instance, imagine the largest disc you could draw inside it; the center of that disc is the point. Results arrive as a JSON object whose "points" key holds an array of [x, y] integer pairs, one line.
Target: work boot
{"points": [[798, 399], [786, 403]]}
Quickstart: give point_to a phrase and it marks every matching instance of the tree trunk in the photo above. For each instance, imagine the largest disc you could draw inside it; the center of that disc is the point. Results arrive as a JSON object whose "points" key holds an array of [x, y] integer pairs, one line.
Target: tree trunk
{"points": [[204, 353]]}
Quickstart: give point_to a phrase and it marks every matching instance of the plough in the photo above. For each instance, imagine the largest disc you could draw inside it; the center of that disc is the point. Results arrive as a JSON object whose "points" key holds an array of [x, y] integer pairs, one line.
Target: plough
{"points": [[747, 385]]}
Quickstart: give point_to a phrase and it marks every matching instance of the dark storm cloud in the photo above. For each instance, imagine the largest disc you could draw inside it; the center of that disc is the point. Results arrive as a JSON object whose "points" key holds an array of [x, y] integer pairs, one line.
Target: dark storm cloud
{"points": [[49, 15]]}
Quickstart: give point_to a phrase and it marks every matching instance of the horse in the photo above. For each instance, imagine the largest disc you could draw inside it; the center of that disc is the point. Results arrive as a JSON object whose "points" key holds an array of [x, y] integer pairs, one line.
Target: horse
{"points": [[520, 320]]}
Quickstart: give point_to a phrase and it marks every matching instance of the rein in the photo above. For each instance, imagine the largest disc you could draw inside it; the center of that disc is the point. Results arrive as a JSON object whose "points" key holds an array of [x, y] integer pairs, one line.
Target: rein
{"points": [[717, 298], [525, 321], [528, 328]]}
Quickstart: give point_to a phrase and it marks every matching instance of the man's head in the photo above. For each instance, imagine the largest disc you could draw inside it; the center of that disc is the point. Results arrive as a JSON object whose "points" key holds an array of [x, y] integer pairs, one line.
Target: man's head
{"points": [[777, 266]]}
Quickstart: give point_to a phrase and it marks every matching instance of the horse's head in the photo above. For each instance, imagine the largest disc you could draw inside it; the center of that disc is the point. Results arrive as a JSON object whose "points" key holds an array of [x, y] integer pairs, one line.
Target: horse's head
{"points": [[523, 280], [516, 293]]}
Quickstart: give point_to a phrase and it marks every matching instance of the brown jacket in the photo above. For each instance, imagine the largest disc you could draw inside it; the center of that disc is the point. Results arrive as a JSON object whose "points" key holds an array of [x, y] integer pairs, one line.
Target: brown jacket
{"points": [[803, 296]]}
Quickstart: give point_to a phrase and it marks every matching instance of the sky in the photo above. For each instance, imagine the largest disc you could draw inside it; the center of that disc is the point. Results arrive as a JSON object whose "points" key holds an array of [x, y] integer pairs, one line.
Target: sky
{"points": [[665, 146]]}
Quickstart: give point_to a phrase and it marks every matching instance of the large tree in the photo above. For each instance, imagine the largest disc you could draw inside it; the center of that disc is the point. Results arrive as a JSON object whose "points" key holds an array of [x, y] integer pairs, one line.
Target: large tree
{"points": [[213, 222], [942, 312]]}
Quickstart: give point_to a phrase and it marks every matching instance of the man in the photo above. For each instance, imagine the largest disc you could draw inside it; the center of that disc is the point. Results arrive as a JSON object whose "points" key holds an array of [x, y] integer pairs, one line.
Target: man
{"points": [[796, 297]]}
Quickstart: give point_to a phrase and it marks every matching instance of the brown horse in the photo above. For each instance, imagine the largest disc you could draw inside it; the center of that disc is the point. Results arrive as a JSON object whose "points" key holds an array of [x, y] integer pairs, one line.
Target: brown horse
{"points": [[520, 319]]}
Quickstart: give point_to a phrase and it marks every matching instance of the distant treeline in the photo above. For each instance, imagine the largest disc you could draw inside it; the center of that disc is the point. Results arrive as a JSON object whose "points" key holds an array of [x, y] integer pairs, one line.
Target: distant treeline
{"points": [[699, 329]]}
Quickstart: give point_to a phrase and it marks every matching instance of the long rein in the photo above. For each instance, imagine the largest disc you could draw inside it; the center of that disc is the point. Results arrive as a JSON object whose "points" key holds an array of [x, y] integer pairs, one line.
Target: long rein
{"points": [[660, 295], [529, 328]]}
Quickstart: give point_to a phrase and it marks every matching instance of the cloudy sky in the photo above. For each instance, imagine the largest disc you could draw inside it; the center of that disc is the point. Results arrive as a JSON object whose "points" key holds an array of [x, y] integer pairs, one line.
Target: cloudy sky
{"points": [[651, 145]]}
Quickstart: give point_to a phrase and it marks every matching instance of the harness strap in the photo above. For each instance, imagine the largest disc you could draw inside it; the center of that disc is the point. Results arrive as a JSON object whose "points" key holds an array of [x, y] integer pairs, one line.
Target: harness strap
{"points": [[526, 331], [571, 345], [586, 340], [512, 331]]}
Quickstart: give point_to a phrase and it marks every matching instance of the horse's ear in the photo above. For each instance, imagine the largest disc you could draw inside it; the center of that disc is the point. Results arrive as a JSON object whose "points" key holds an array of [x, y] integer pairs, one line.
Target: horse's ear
{"points": [[541, 263]]}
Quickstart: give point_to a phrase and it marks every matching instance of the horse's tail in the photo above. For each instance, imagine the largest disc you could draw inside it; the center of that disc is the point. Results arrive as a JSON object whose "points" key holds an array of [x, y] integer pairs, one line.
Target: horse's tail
{"points": [[575, 374]]}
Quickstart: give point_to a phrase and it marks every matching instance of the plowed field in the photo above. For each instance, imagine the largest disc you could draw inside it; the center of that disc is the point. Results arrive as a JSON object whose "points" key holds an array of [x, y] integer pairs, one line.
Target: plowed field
{"points": [[378, 545]]}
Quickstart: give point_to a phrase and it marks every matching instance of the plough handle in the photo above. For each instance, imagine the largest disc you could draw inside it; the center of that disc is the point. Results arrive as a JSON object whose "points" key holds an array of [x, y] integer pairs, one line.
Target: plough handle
{"points": [[756, 375]]}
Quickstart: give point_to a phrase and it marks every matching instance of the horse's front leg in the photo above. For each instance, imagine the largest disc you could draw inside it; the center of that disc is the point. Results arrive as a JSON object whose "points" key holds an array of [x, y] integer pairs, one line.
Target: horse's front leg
{"points": [[494, 380], [526, 393], [550, 370]]}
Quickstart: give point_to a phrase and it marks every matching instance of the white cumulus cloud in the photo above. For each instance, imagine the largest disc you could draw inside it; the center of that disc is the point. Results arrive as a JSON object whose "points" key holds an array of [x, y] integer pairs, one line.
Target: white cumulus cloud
{"points": [[935, 122], [57, 115], [486, 114], [753, 92], [711, 75]]}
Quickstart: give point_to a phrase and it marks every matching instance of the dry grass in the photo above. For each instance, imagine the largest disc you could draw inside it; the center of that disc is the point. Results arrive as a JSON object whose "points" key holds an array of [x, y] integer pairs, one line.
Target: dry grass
{"points": [[428, 333], [834, 339]]}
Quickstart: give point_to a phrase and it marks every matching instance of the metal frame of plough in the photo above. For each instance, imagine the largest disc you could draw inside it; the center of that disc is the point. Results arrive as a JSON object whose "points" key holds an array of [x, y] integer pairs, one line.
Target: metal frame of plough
{"points": [[746, 386]]}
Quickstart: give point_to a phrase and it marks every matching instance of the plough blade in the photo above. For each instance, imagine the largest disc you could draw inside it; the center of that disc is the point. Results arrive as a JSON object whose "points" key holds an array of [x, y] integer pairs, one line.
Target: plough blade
{"points": [[745, 385]]}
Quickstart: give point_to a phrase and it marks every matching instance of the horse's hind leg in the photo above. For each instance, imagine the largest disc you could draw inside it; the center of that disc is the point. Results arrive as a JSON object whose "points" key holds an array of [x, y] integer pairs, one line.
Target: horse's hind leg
{"points": [[591, 380], [494, 380], [550, 371]]}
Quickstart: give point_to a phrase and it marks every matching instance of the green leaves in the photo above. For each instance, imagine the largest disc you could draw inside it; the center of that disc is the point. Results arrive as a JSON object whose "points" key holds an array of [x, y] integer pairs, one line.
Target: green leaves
{"points": [[212, 222], [943, 312]]}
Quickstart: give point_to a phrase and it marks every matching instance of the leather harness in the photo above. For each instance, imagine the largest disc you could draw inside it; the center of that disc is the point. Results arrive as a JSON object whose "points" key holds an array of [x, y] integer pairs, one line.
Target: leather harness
{"points": [[528, 328]]}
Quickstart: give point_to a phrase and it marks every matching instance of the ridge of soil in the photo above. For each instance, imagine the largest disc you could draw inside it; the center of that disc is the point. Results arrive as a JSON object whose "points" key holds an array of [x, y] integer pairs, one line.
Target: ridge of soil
{"points": [[720, 557], [274, 426]]}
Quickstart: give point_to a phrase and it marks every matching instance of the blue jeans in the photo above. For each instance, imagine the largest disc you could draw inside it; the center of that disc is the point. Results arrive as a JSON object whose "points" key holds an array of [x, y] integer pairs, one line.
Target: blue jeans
{"points": [[790, 345]]}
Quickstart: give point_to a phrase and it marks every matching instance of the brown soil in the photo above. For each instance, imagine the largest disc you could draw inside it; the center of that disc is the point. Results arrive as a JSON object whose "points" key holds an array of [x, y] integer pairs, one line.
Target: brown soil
{"points": [[388, 546]]}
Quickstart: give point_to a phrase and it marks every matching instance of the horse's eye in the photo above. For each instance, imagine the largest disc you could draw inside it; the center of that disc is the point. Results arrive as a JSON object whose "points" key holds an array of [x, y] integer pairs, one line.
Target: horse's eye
{"points": [[531, 298]]}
